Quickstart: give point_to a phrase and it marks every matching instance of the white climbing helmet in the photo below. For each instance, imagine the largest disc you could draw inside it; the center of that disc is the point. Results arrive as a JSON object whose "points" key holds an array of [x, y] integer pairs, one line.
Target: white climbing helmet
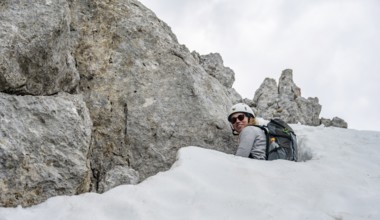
{"points": [[240, 107]]}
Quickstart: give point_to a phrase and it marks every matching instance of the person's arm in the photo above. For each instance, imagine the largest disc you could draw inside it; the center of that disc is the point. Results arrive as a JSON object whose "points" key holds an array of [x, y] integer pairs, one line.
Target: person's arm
{"points": [[247, 137]]}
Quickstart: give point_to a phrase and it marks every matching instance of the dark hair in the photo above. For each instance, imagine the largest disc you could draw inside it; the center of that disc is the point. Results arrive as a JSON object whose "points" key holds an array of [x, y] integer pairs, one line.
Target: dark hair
{"points": [[249, 115]]}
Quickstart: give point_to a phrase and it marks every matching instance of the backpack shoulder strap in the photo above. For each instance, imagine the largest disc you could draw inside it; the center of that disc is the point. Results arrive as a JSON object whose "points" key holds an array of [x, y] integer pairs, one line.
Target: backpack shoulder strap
{"points": [[266, 131]]}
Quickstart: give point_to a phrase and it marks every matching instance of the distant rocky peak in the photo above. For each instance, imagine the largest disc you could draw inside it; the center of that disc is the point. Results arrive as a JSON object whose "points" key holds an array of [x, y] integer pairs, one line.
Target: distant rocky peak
{"points": [[285, 101], [286, 86]]}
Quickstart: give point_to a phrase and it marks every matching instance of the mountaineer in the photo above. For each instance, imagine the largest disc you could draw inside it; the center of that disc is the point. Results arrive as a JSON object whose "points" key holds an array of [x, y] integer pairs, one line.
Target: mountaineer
{"points": [[252, 139]]}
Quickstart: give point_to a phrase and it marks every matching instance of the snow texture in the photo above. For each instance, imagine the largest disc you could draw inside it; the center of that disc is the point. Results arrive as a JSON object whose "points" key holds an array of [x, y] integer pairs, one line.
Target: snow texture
{"points": [[339, 179]]}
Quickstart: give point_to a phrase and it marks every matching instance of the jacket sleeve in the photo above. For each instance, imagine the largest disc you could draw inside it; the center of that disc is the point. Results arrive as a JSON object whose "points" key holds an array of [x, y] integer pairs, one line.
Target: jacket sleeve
{"points": [[252, 141]]}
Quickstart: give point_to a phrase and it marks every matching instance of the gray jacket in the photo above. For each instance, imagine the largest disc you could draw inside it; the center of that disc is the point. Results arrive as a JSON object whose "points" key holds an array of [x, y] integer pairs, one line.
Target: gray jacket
{"points": [[252, 141]]}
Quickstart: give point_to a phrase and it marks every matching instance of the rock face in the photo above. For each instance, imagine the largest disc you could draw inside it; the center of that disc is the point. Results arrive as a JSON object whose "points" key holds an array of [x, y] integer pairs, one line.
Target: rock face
{"points": [[43, 146], [36, 56], [147, 94], [115, 64]]}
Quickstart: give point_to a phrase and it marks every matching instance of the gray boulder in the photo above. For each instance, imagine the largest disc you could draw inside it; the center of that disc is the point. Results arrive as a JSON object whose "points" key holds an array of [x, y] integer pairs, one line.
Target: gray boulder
{"points": [[335, 122], [35, 48], [119, 175], [44, 142]]}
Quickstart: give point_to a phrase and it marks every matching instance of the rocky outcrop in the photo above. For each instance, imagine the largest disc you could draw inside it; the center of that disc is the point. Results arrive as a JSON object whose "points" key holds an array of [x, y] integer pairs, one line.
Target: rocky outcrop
{"points": [[116, 63], [335, 122], [213, 64], [285, 101]]}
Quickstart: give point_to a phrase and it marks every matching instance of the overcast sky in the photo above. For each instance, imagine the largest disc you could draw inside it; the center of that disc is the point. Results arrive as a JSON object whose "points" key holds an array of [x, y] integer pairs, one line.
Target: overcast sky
{"points": [[333, 47]]}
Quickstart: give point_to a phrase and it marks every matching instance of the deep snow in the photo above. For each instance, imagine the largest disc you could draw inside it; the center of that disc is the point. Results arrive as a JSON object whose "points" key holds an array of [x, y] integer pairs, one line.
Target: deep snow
{"points": [[341, 180]]}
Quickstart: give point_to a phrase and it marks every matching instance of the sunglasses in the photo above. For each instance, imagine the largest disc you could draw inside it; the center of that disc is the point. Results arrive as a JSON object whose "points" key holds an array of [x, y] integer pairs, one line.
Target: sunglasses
{"points": [[234, 119]]}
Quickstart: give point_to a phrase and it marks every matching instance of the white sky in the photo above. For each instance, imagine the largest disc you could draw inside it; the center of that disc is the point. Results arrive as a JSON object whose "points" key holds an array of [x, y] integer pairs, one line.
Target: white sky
{"points": [[332, 46], [340, 181]]}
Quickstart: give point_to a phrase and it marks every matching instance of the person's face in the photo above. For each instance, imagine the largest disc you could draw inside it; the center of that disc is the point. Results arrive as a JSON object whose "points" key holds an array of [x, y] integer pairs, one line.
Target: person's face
{"points": [[239, 121]]}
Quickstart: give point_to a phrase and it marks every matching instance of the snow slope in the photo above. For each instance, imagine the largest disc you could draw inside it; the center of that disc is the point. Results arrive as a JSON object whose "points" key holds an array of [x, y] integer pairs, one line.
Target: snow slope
{"points": [[340, 181]]}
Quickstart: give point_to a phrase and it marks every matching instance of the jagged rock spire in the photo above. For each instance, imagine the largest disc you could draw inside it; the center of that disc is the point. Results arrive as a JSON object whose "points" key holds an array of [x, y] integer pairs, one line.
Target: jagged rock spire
{"points": [[285, 101]]}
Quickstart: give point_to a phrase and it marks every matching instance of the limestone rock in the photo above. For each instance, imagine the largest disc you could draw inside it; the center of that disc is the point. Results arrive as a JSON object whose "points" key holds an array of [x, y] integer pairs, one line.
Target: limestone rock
{"points": [[286, 102], [213, 64], [335, 122], [266, 99], [119, 175], [35, 48], [287, 89], [44, 142], [339, 122], [147, 94]]}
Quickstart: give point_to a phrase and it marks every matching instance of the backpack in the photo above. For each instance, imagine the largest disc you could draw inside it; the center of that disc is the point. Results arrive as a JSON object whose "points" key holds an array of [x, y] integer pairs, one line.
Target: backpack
{"points": [[281, 140]]}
